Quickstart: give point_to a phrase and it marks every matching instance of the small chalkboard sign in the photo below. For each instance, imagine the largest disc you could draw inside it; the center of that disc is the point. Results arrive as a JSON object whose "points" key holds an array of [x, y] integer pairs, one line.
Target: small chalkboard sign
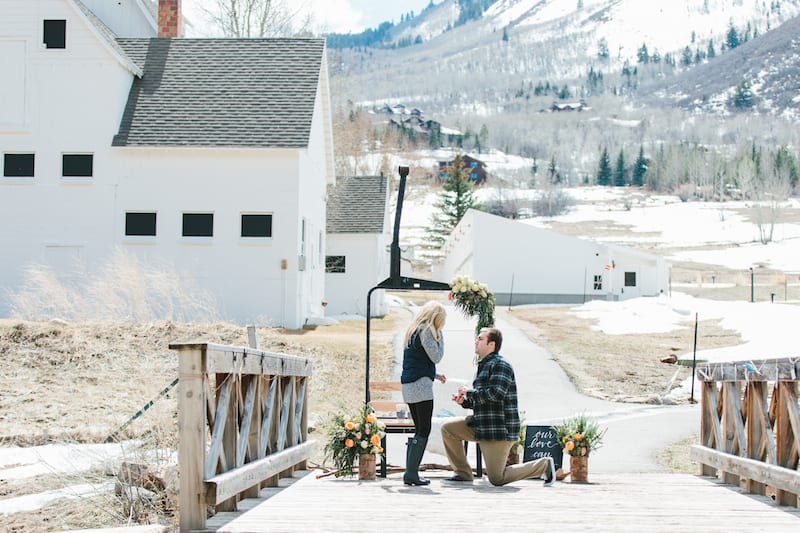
{"points": [[541, 441]]}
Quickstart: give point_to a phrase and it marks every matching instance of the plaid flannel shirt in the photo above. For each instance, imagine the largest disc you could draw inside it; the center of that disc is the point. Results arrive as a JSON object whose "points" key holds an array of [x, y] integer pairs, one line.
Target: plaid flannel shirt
{"points": [[493, 400]]}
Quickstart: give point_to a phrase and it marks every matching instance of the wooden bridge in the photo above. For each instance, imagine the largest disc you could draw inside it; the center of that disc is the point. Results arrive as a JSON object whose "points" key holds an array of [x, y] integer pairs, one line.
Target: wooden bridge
{"points": [[244, 445]]}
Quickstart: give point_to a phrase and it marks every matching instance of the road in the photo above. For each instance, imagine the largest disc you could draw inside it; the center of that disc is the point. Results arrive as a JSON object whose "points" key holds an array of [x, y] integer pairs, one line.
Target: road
{"points": [[636, 433]]}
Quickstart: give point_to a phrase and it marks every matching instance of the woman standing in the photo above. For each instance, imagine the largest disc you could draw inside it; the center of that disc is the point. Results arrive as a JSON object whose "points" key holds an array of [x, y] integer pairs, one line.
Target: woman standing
{"points": [[423, 349]]}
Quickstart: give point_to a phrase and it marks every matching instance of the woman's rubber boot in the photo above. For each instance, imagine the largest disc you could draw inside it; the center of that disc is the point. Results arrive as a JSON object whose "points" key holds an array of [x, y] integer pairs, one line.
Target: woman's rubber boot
{"points": [[414, 452]]}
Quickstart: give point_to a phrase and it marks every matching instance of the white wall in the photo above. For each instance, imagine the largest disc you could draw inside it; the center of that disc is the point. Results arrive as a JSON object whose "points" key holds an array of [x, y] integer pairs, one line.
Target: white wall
{"points": [[126, 18], [366, 265], [244, 274], [514, 258], [73, 101]]}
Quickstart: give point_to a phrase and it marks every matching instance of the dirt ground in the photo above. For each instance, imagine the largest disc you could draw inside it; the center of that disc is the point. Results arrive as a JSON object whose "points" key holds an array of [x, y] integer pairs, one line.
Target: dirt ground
{"points": [[624, 368]]}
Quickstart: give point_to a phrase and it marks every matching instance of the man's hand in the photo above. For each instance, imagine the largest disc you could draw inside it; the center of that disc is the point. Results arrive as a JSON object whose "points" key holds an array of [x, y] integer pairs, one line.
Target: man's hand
{"points": [[459, 397]]}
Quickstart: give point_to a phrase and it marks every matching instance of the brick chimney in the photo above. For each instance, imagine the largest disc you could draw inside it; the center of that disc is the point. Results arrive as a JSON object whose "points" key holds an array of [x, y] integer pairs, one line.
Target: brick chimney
{"points": [[169, 18]]}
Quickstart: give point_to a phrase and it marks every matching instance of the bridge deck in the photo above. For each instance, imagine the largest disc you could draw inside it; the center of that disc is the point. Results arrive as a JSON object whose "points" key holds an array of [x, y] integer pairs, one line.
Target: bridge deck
{"points": [[611, 502]]}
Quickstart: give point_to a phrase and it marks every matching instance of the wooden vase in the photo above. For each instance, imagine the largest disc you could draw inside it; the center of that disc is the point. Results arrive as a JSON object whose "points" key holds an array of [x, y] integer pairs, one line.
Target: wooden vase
{"points": [[366, 466], [579, 468]]}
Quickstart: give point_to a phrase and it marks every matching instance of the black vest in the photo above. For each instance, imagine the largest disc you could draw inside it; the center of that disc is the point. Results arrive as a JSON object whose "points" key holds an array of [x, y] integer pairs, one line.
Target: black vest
{"points": [[416, 363]]}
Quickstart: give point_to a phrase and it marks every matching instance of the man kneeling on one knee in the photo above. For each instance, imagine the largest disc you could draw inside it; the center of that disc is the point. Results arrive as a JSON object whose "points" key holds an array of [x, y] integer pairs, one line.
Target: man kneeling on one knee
{"points": [[494, 423]]}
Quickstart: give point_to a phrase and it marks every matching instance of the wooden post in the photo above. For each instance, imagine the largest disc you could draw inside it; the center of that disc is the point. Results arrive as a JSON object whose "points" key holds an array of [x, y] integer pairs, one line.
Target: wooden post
{"points": [[708, 408], [191, 435], [230, 432]]}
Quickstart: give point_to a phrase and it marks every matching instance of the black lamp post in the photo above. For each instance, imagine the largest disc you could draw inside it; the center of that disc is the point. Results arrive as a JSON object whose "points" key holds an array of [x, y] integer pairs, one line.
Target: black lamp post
{"points": [[395, 281]]}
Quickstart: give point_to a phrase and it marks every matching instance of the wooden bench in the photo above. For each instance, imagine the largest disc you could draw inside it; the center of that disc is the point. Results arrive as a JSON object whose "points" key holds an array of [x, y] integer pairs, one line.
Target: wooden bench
{"points": [[387, 412]]}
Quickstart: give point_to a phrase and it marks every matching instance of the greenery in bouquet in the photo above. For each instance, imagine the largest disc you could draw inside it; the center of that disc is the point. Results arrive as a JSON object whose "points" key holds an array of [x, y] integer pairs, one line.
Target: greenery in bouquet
{"points": [[351, 435], [473, 299], [579, 435]]}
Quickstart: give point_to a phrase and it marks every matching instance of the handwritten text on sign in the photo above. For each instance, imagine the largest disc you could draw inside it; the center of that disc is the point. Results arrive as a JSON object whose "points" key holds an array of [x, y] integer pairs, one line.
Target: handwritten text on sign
{"points": [[541, 441]]}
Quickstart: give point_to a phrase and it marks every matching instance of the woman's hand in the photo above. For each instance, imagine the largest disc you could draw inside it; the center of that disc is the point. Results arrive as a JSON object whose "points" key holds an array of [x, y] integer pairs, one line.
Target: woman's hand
{"points": [[442, 378]]}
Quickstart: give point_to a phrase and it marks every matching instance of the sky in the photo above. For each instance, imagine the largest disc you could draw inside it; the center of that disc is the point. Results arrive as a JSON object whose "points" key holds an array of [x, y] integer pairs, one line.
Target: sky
{"points": [[339, 16]]}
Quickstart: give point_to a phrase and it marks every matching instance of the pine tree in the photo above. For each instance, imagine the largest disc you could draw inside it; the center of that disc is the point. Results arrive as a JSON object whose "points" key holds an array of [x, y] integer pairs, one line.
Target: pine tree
{"points": [[686, 57], [743, 98], [458, 197], [733, 39], [620, 177], [642, 54], [604, 169], [552, 172], [602, 49], [639, 169]]}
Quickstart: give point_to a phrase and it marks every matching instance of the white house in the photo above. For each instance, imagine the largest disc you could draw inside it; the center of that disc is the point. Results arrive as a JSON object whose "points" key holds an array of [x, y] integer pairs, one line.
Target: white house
{"points": [[357, 256], [212, 155], [523, 264]]}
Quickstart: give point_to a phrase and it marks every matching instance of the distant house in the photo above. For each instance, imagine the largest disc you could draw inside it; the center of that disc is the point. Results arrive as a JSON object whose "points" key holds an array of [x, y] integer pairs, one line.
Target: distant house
{"points": [[412, 124], [477, 168], [356, 256], [569, 106], [531, 265], [208, 155]]}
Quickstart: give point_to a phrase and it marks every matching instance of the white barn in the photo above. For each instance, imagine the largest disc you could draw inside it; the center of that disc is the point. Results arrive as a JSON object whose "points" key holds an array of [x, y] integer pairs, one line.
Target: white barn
{"points": [[357, 256], [523, 264], [209, 155]]}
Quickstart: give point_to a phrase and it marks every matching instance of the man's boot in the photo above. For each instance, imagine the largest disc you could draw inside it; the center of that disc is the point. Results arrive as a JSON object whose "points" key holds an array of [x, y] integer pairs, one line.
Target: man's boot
{"points": [[414, 452]]}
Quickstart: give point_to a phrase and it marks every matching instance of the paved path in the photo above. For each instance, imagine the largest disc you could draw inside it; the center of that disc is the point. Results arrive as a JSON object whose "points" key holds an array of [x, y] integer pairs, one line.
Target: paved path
{"points": [[636, 433]]}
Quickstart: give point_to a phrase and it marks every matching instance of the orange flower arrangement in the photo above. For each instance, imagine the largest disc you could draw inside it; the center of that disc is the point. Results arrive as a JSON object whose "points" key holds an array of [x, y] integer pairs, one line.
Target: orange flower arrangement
{"points": [[352, 435], [579, 435]]}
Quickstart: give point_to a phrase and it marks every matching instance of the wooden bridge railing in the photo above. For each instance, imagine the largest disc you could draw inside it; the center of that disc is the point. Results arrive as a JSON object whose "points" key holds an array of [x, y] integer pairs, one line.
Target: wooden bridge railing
{"points": [[750, 426], [242, 424]]}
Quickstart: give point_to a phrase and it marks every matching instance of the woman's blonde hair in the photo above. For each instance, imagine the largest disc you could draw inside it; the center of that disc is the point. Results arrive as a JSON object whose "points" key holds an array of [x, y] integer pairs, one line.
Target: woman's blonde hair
{"points": [[432, 315]]}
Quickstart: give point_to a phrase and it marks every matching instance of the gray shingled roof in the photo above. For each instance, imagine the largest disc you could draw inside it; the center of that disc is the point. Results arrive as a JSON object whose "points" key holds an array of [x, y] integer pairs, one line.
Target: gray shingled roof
{"points": [[357, 205], [222, 92]]}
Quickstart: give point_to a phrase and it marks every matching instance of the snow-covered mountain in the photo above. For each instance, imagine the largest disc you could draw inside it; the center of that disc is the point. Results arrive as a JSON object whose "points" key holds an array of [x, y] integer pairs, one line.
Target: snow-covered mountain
{"points": [[513, 45]]}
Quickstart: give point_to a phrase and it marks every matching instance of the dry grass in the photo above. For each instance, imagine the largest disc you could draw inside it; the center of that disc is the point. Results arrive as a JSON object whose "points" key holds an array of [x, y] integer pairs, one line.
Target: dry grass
{"points": [[125, 288], [616, 367], [676, 457], [79, 382]]}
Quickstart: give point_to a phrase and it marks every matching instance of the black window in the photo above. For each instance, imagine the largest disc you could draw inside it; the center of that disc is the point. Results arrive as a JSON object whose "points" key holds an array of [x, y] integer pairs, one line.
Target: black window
{"points": [[77, 165], [256, 225], [140, 224], [598, 283], [198, 224], [630, 279], [18, 165], [334, 264], [55, 33]]}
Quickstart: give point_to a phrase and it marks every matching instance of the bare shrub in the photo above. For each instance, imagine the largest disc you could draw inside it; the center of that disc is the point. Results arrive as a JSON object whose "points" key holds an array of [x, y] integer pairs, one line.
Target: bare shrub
{"points": [[552, 202]]}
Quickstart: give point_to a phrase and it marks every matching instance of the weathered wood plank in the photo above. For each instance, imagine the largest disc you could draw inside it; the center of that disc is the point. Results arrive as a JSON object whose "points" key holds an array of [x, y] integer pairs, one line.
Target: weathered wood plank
{"points": [[221, 359], [225, 486], [776, 476], [192, 430], [775, 369], [611, 503]]}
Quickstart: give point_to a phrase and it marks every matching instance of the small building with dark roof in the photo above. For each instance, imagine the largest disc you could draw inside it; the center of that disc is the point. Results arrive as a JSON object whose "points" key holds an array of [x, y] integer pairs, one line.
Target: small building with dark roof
{"points": [[359, 234]]}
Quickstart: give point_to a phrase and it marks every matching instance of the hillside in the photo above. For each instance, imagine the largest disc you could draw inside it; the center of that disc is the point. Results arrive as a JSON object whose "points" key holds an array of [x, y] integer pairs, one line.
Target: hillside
{"points": [[652, 75]]}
